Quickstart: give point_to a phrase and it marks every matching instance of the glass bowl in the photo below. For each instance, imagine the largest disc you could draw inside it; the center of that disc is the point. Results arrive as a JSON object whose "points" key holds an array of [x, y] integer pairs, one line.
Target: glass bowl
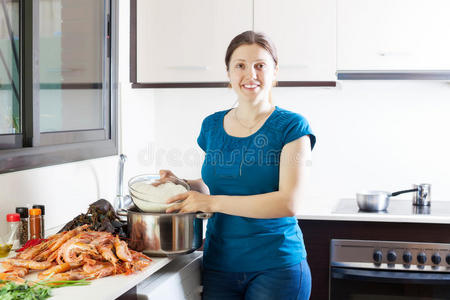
{"points": [[149, 198]]}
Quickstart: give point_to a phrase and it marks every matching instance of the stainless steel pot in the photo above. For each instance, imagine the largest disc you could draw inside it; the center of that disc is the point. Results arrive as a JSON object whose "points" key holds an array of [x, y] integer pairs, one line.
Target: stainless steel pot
{"points": [[377, 200], [161, 234]]}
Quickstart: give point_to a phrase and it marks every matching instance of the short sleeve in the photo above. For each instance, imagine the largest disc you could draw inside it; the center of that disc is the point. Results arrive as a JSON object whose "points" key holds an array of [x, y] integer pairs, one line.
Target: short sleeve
{"points": [[201, 140], [297, 127]]}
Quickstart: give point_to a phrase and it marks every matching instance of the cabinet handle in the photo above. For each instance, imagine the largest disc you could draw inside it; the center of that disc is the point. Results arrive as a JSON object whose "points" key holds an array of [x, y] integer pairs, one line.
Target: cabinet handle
{"points": [[189, 68], [393, 53]]}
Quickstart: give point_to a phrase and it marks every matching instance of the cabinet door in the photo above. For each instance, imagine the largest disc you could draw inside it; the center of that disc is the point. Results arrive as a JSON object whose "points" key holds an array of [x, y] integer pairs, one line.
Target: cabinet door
{"points": [[186, 41], [305, 36], [393, 34]]}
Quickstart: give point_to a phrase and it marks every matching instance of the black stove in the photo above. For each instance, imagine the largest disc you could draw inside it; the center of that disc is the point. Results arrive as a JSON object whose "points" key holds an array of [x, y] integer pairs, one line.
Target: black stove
{"points": [[397, 207]]}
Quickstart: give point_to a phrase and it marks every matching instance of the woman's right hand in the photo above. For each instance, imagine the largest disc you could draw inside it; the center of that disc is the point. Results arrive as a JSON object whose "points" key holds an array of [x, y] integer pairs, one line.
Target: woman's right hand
{"points": [[166, 176]]}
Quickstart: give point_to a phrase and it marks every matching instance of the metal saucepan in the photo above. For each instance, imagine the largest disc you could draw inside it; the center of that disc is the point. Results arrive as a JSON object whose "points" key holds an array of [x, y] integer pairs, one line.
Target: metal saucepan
{"points": [[377, 200], [162, 234]]}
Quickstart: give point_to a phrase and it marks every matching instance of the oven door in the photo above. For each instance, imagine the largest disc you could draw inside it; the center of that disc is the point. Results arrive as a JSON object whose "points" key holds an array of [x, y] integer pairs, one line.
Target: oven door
{"points": [[364, 284]]}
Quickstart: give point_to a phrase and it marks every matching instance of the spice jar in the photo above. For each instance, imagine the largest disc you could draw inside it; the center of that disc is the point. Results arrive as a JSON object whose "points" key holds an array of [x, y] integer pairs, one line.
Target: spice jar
{"points": [[13, 221], [35, 223], [23, 227], [42, 208]]}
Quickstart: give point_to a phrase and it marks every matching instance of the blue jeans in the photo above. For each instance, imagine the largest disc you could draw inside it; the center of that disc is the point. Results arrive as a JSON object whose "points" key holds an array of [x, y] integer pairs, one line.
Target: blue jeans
{"points": [[275, 284]]}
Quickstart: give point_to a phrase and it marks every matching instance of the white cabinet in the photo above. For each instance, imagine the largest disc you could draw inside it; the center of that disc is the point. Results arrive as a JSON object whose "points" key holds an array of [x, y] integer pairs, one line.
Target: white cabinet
{"points": [[304, 34], [186, 41], [179, 280], [393, 35]]}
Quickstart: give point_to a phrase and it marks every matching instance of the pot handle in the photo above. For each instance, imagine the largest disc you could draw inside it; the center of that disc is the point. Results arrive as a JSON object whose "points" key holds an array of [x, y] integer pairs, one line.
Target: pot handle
{"points": [[402, 192], [122, 212], [203, 215]]}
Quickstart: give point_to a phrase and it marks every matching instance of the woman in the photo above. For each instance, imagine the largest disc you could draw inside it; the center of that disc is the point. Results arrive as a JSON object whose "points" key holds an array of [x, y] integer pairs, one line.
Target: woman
{"points": [[253, 177]]}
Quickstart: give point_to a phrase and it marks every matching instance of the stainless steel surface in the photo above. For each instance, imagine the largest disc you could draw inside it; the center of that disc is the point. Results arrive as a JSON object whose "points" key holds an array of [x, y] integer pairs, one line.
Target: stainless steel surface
{"points": [[377, 200], [399, 207], [361, 254], [423, 195], [372, 200], [163, 234], [121, 201]]}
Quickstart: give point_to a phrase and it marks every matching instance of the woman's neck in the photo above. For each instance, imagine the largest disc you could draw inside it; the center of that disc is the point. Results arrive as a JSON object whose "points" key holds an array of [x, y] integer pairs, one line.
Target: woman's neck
{"points": [[250, 111]]}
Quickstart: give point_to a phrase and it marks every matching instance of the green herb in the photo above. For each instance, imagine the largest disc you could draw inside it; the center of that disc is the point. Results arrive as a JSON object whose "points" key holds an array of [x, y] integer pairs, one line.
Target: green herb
{"points": [[38, 291], [13, 291], [62, 283]]}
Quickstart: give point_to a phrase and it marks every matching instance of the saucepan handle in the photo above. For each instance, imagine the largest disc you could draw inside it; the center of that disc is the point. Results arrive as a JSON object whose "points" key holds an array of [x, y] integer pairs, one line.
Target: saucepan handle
{"points": [[403, 192], [203, 215], [122, 212]]}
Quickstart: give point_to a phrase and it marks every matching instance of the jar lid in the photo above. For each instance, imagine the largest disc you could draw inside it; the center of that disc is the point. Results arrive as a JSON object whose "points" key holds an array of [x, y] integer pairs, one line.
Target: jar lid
{"points": [[12, 217], [22, 211], [41, 207], [35, 212]]}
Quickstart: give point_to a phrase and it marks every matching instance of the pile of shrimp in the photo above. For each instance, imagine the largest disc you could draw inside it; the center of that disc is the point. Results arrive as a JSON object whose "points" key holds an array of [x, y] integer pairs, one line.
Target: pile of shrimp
{"points": [[76, 254]]}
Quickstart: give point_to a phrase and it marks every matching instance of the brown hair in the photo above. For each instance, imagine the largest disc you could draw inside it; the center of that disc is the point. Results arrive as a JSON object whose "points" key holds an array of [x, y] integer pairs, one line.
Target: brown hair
{"points": [[248, 38]]}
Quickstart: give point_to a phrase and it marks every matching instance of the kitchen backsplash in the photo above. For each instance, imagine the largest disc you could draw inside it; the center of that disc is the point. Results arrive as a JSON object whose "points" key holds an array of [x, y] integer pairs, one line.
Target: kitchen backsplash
{"points": [[376, 135], [65, 190]]}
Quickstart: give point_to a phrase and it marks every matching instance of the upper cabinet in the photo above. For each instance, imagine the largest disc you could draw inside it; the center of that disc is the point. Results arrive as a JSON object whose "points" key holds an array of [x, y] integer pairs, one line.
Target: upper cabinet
{"points": [[186, 41], [304, 33], [402, 35], [183, 43]]}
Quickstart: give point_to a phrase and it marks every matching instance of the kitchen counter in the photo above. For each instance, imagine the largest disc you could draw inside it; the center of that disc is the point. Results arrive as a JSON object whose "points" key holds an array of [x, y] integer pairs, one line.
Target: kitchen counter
{"points": [[110, 287], [401, 211], [106, 288]]}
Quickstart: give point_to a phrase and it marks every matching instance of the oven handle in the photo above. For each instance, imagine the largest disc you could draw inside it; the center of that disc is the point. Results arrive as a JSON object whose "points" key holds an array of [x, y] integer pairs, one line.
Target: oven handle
{"points": [[390, 276]]}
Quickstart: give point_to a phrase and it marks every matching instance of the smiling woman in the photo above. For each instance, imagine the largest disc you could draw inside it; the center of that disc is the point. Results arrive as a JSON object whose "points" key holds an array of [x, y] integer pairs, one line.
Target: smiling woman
{"points": [[256, 169]]}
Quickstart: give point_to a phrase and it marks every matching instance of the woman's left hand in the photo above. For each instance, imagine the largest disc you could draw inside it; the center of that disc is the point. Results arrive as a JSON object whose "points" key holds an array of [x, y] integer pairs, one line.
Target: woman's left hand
{"points": [[191, 201]]}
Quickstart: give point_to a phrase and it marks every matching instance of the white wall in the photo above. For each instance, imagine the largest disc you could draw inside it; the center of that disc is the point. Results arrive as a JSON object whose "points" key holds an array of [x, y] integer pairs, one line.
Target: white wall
{"points": [[65, 190], [370, 134]]}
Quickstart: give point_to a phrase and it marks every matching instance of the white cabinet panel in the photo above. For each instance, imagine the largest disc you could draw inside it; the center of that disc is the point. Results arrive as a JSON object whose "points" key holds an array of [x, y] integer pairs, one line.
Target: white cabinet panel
{"points": [[179, 280], [393, 34], [304, 34], [186, 41]]}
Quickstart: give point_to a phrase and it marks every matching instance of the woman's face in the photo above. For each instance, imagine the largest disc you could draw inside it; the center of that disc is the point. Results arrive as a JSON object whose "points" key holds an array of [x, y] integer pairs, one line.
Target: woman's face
{"points": [[252, 72]]}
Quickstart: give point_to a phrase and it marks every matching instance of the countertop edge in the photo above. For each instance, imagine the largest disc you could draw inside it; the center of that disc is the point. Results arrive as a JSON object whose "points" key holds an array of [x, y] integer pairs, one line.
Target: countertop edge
{"points": [[369, 217]]}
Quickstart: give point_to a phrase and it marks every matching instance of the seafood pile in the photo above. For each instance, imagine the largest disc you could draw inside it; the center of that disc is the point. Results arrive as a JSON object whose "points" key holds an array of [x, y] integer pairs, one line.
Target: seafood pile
{"points": [[101, 216], [76, 254]]}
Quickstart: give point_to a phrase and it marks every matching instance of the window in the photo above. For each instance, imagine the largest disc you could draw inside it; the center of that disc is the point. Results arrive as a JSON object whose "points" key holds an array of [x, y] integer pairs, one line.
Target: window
{"points": [[58, 96]]}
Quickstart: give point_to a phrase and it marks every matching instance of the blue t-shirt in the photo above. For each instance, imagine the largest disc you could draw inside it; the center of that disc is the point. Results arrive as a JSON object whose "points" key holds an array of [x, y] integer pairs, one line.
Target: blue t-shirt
{"points": [[248, 166]]}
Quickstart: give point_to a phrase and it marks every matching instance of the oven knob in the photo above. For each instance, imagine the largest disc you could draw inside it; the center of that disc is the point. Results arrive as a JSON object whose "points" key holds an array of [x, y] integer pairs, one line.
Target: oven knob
{"points": [[421, 258], [377, 256], [436, 258], [391, 256], [447, 259], [407, 257]]}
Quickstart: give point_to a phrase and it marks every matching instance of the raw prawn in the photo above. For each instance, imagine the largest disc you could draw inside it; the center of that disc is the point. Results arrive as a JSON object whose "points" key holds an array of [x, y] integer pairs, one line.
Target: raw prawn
{"points": [[58, 269], [30, 264], [17, 271], [107, 254], [122, 251], [67, 236]]}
